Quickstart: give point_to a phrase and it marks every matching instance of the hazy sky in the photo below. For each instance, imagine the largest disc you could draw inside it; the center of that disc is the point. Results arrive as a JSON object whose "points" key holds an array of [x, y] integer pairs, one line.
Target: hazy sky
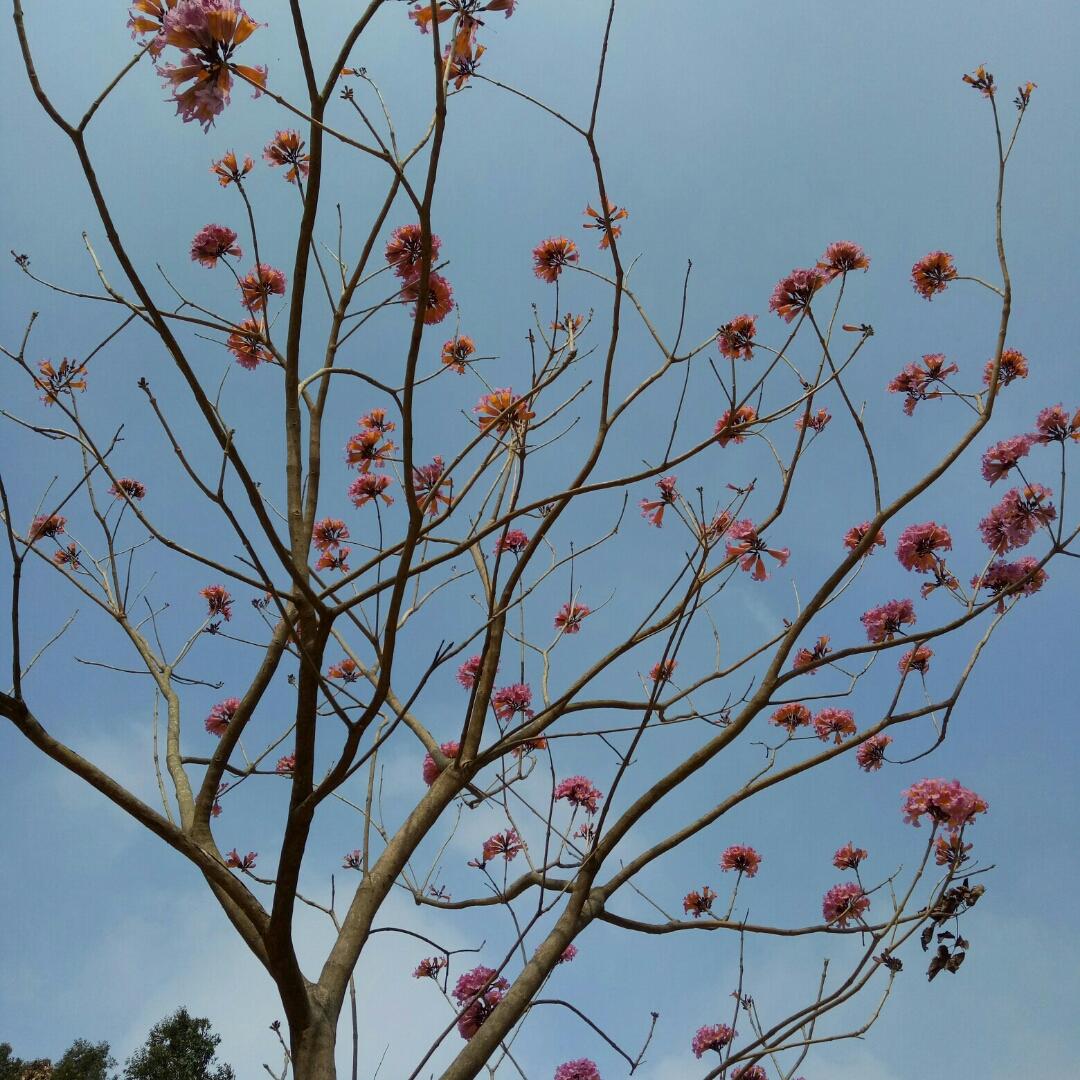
{"points": [[744, 137]]}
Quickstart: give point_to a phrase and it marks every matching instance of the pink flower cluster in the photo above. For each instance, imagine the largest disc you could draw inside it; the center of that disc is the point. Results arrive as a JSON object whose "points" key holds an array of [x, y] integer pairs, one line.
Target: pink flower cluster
{"points": [[794, 292], [843, 903], [578, 1069], [405, 254], [1055, 425], [429, 770], [711, 1037], [918, 546], [870, 755], [884, 622], [745, 545], [1014, 521], [1002, 575], [945, 802], [477, 993], [516, 698], [507, 844], [1004, 456], [580, 793], [835, 724], [221, 715], [742, 858]]}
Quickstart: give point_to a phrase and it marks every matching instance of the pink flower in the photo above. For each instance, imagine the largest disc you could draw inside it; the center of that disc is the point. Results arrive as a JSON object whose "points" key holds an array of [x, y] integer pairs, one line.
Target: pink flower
{"points": [[432, 491], [578, 1069], [732, 428], [515, 540], [845, 902], [748, 548], [507, 844], [125, 487], [870, 755], [653, 509], [221, 715], [368, 487], [49, 525], [259, 285], [699, 903], [552, 256], [1014, 521], [286, 765], [662, 671], [742, 858], [404, 251], [468, 672], [932, 273], [516, 698], [884, 622], [437, 301], [1000, 458], [1002, 576], [567, 955], [834, 723], [794, 293], [246, 344], [570, 617], [243, 863], [329, 533], [478, 992], [354, 860], [915, 660], [1013, 365], [218, 601], [750, 1072], [842, 257], [853, 537], [950, 850], [430, 967], [848, 857], [714, 1037], [286, 149], [429, 770], [207, 33], [805, 657], [579, 793], [815, 422], [918, 545], [791, 717], [1054, 425], [213, 242], [945, 802], [915, 380], [477, 981], [736, 338]]}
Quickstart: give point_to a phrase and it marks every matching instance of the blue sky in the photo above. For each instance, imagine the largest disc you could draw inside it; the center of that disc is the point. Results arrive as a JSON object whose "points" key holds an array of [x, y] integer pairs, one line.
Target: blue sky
{"points": [[744, 137]]}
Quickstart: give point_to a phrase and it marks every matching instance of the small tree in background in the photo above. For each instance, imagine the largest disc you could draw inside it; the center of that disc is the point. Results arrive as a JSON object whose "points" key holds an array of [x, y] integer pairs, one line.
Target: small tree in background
{"points": [[444, 559], [180, 1047]]}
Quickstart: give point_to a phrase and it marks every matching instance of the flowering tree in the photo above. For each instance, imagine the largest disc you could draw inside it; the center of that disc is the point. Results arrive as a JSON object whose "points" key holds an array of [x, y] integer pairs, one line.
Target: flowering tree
{"points": [[444, 600]]}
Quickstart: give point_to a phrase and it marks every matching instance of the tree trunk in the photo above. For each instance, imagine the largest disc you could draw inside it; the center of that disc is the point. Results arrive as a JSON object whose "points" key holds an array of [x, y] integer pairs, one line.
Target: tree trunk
{"points": [[313, 1052]]}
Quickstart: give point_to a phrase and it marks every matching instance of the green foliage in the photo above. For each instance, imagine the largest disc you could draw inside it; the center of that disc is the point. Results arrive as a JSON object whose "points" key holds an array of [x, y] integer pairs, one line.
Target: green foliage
{"points": [[180, 1047], [11, 1067], [85, 1061]]}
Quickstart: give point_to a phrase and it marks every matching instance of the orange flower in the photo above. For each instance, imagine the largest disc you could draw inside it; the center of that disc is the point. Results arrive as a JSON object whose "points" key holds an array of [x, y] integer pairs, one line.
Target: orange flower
{"points": [[502, 411], [982, 81], [227, 170], [261, 283], [364, 451], [148, 17], [606, 221], [285, 149], [65, 379], [457, 351], [207, 33], [246, 344], [462, 63], [550, 257]]}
